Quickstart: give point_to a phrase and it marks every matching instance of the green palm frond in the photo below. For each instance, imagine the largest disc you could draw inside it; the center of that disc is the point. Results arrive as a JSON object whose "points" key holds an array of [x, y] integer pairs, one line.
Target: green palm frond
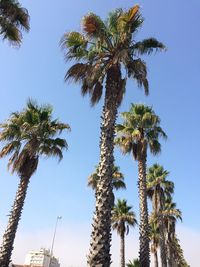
{"points": [[147, 46], [137, 69], [117, 179], [104, 44], [122, 217], [30, 133], [140, 128], [13, 19]]}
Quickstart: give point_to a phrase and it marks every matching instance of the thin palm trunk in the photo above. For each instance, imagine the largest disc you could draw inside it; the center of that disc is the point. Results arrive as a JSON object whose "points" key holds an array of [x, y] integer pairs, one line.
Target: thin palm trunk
{"points": [[163, 250], [9, 235], [170, 257], [144, 225], [122, 249], [155, 259], [99, 254]]}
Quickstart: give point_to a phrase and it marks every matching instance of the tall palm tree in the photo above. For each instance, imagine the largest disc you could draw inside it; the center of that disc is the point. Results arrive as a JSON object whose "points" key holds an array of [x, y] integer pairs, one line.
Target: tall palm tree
{"points": [[102, 51], [139, 131], [13, 19], [26, 136], [122, 218], [158, 188], [117, 180]]}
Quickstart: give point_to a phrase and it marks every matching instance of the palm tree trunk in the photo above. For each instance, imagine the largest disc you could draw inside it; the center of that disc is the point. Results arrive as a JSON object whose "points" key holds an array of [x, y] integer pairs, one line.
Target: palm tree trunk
{"points": [[163, 249], [99, 253], [170, 258], [122, 250], [144, 225], [155, 259], [15, 215]]}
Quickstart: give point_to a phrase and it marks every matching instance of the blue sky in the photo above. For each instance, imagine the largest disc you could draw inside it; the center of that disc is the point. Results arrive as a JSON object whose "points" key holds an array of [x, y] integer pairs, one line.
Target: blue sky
{"points": [[37, 69]]}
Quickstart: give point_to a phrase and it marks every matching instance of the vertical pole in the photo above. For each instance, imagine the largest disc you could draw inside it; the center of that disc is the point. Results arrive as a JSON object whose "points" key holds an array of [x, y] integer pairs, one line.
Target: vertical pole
{"points": [[54, 235]]}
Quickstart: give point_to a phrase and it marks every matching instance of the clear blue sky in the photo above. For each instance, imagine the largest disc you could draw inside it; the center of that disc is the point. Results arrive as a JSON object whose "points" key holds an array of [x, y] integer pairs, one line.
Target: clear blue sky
{"points": [[37, 69]]}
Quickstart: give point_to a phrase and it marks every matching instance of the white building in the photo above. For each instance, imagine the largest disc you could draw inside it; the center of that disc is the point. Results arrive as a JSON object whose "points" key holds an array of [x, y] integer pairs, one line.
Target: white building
{"points": [[41, 258]]}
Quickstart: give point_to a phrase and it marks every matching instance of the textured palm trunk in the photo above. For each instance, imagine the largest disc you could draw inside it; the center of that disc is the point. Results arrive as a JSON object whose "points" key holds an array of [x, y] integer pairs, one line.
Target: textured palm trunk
{"points": [[163, 247], [144, 225], [99, 253], [155, 259], [170, 256], [122, 250], [9, 235]]}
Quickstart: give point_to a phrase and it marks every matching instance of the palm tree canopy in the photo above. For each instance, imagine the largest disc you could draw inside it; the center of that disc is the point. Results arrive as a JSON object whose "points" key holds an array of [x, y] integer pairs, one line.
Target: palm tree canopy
{"points": [[117, 179], [13, 19], [30, 133], [140, 129], [157, 183], [122, 217], [171, 213], [104, 44]]}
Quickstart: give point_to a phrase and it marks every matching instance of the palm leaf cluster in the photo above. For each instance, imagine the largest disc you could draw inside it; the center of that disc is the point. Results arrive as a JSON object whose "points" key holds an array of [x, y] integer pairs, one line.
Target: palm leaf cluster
{"points": [[29, 134], [103, 44], [140, 129], [13, 19]]}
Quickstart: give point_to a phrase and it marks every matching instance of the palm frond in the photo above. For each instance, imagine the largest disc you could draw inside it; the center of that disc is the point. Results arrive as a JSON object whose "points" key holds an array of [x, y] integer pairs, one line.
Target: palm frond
{"points": [[147, 46], [137, 69]]}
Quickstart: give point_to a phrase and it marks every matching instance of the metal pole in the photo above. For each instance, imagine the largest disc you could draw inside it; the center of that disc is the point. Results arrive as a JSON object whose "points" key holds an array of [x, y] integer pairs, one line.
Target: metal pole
{"points": [[54, 235]]}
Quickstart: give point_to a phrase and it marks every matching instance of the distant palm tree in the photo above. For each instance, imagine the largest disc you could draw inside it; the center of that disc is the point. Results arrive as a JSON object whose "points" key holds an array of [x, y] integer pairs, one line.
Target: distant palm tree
{"points": [[157, 190], [13, 19], [134, 263], [103, 51], [122, 218], [117, 181], [154, 238], [170, 216], [139, 131], [27, 135]]}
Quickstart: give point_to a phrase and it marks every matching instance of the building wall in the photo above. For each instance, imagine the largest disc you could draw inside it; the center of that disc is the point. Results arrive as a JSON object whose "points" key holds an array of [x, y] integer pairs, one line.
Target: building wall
{"points": [[41, 258]]}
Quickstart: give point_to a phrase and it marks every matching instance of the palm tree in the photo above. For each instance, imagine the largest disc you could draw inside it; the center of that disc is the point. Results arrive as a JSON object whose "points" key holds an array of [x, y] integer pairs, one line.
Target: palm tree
{"points": [[178, 254], [170, 216], [154, 238], [117, 180], [13, 19], [122, 218], [141, 129], [134, 263], [27, 135], [157, 189], [102, 51]]}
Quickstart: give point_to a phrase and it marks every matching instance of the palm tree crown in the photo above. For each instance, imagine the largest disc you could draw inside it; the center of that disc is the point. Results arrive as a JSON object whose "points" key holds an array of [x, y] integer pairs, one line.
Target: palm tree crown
{"points": [[13, 19], [104, 44], [140, 129], [117, 179], [122, 217], [28, 134], [158, 187]]}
